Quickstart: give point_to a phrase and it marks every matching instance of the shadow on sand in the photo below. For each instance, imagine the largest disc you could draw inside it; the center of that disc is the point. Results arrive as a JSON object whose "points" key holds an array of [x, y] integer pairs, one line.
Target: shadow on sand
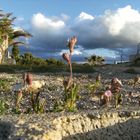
{"points": [[129, 130], [6, 129]]}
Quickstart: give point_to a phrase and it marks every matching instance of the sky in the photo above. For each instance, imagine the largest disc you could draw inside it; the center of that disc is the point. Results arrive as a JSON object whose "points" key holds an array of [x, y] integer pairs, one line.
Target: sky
{"points": [[109, 28]]}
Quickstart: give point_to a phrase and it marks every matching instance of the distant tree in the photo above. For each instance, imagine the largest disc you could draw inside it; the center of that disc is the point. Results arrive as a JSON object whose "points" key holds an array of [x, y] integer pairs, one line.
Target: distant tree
{"points": [[52, 61], [39, 61], [95, 60], [15, 52], [29, 59], [26, 59], [60, 63]]}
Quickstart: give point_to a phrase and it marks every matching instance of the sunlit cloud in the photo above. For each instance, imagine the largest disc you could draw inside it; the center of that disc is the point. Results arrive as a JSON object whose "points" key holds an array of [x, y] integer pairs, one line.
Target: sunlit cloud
{"points": [[84, 16], [118, 20], [42, 22]]}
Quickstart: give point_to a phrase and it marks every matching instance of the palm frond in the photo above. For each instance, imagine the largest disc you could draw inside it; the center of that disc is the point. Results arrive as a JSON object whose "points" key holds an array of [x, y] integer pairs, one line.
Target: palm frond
{"points": [[17, 43], [21, 33], [2, 14], [8, 15], [13, 18]]}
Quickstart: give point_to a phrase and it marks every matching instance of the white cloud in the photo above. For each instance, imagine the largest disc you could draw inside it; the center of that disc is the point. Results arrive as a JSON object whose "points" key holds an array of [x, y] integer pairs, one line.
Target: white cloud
{"points": [[85, 16], [116, 21], [42, 22], [100, 52], [77, 51]]}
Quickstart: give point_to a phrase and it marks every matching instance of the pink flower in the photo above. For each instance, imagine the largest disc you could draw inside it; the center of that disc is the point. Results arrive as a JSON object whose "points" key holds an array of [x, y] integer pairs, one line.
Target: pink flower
{"points": [[108, 93], [66, 57], [72, 43]]}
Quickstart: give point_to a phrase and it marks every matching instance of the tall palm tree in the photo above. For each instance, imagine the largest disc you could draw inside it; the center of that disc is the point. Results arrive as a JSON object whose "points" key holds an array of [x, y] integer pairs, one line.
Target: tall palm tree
{"points": [[8, 35]]}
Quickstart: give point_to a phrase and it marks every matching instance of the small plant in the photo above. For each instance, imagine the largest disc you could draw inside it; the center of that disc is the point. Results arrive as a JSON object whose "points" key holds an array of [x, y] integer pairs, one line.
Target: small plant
{"points": [[118, 99], [71, 98], [3, 106], [116, 86], [58, 106], [92, 88], [38, 105]]}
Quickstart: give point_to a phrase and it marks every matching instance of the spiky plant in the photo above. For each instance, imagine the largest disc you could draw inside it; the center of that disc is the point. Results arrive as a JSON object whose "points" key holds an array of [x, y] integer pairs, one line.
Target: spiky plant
{"points": [[58, 105], [72, 98], [38, 105], [3, 106], [92, 87]]}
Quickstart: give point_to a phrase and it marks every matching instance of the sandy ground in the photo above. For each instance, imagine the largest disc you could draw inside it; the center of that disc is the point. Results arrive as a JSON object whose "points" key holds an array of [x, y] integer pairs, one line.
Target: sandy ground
{"points": [[54, 91]]}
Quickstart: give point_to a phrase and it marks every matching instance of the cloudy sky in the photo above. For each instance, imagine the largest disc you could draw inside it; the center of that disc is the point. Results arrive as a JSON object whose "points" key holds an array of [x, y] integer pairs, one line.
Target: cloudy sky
{"points": [[108, 28]]}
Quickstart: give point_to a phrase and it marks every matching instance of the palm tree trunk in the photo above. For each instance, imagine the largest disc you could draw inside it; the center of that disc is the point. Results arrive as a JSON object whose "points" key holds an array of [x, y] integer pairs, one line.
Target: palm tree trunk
{"points": [[4, 47]]}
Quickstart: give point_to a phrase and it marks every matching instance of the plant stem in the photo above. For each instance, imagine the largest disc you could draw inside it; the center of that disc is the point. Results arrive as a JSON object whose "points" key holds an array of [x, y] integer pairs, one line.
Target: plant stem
{"points": [[70, 67]]}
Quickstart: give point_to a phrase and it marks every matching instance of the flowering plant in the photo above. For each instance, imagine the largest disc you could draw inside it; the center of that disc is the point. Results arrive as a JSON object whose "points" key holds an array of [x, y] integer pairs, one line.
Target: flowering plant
{"points": [[67, 58]]}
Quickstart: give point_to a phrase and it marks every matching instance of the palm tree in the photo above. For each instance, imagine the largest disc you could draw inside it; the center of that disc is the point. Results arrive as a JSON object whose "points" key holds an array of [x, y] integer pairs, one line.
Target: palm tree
{"points": [[95, 60], [8, 35]]}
